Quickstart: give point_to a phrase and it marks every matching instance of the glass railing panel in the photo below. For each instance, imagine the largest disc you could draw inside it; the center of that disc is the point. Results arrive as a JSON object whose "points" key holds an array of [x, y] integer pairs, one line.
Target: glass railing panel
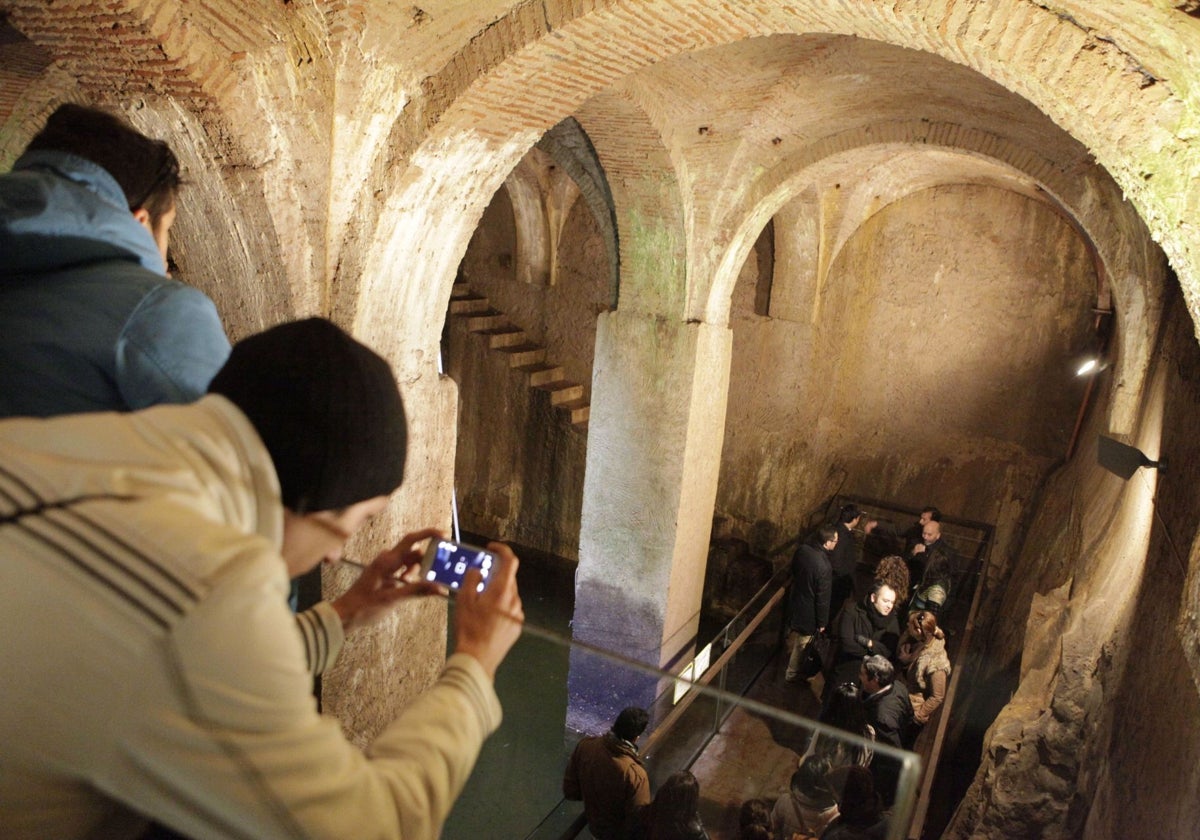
{"points": [[738, 747]]}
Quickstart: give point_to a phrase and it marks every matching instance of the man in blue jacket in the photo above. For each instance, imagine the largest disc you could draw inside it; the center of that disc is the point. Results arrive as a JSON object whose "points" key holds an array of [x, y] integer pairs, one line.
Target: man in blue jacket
{"points": [[89, 318]]}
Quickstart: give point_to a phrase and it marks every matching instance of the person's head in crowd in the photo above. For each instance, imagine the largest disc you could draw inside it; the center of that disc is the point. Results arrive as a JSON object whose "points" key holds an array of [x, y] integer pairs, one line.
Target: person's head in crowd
{"points": [[827, 537], [877, 673], [146, 170], [849, 515], [923, 626], [676, 806], [893, 571], [631, 723], [754, 812], [329, 413], [882, 597], [845, 709], [810, 783], [931, 532], [930, 514]]}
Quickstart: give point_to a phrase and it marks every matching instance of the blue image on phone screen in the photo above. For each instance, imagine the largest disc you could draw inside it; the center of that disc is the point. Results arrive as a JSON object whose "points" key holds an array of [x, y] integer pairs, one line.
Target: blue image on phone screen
{"points": [[452, 561]]}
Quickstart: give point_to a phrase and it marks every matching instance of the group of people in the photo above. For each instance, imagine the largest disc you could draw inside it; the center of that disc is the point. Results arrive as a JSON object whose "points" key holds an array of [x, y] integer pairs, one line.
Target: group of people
{"points": [[834, 794], [607, 774], [158, 490], [885, 670]]}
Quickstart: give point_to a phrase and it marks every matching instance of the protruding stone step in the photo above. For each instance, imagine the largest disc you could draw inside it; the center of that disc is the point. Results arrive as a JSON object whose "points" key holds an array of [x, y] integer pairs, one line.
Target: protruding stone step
{"points": [[468, 305], [504, 336], [544, 373], [580, 411], [521, 355], [487, 320], [563, 391]]}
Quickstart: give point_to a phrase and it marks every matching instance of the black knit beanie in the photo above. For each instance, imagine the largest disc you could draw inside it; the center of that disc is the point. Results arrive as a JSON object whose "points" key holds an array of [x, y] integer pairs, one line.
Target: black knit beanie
{"points": [[326, 407]]}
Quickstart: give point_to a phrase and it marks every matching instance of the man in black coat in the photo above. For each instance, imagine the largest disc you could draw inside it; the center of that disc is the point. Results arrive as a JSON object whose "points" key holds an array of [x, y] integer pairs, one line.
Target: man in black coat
{"points": [[808, 605], [932, 569], [889, 709], [844, 557], [885, 701], [867, 628]]}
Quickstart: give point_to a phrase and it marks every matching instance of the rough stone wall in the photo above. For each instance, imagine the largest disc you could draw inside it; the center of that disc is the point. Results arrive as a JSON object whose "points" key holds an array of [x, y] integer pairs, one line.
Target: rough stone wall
{"points": [[1100, 738], [924, 372], [520, 463]]}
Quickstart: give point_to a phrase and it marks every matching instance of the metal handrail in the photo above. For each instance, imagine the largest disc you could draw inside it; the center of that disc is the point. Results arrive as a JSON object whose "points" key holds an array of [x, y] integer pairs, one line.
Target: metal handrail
{"points": [[933, 753], [661, 731], [779, 582]]}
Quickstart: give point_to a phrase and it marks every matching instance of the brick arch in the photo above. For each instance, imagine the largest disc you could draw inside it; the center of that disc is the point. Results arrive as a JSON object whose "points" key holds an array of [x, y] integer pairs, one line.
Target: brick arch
{"points": [[641, 178], [515, 80], [1126, 260]]}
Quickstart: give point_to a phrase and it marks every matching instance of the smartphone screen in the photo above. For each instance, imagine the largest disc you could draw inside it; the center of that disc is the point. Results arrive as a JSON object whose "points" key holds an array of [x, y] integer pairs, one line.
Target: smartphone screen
{"points": [[448, 562]]}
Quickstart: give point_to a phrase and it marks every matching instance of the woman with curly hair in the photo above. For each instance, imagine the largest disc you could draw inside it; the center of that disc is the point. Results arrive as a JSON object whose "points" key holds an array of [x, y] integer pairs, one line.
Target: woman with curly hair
{"points": [[893, 571]]}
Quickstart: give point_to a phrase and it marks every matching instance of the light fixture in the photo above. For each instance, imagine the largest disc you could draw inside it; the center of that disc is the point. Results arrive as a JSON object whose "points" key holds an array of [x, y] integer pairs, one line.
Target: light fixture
{"points": [[1089, 365], [1124, 460]]}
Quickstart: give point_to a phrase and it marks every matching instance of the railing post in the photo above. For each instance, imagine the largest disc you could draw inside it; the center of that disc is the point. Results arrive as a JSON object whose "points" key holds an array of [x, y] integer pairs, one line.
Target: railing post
{"points": [[716, 726]]}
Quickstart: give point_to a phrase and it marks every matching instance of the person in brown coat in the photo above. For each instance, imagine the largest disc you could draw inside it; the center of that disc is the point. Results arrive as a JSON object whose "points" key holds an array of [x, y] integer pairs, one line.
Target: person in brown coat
{"points": [[607, 774]]}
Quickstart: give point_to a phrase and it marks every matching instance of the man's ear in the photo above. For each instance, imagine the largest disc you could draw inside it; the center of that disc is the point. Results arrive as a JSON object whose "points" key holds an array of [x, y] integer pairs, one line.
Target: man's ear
{"points": [[142, 215]]}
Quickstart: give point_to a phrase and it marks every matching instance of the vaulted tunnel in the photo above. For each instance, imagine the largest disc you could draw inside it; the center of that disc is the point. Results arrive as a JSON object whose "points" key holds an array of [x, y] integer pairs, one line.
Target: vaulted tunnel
{"points": [[954, 192]]}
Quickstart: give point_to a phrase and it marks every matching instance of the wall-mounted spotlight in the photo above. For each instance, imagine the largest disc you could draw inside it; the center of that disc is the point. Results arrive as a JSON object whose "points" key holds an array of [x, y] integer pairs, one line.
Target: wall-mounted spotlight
{"points": [[1124, 460], [1090, 365]]}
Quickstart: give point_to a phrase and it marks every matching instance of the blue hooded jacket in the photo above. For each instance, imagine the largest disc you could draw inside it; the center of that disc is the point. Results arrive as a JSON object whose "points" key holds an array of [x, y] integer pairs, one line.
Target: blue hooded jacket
{"points": [[89, 321]]}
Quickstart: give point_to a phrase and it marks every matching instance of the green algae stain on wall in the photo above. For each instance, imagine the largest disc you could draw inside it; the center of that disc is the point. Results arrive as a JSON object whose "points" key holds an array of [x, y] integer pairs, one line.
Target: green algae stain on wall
{"points": [[653, 268]]}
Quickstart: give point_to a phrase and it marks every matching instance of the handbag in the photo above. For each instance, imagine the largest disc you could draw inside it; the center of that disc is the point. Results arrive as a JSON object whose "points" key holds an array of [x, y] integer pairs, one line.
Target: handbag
{"points": [[817, 657]]}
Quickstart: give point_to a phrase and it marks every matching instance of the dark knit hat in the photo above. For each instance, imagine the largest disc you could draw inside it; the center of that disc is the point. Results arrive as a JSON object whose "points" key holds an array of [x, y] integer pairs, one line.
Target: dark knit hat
{"points": [[326, 407]]}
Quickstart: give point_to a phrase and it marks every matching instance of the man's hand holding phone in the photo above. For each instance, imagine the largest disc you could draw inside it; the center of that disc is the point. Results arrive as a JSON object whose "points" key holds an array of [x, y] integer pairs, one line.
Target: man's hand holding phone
{"points": [[390, 577], [488, 622]]}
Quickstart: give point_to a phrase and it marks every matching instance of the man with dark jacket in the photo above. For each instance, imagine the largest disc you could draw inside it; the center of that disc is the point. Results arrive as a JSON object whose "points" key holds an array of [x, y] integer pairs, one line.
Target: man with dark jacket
{"points": [[932, 569], [808, 605], [844, 557], [866, 629], [607, 774], [889, 709], [885, 700]]}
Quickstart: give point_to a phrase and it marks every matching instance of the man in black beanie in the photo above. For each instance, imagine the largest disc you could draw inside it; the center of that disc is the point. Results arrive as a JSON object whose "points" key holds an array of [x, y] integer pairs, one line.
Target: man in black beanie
{"points": [[143, 563]]}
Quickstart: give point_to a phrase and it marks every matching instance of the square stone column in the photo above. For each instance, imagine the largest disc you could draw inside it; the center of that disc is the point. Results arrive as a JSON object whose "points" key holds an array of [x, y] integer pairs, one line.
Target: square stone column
{"points": [[659, 391]]}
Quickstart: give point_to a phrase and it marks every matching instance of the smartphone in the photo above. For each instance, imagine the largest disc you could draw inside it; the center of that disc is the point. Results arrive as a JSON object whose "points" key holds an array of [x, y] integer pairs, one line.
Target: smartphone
{"points": [[448, 562]]}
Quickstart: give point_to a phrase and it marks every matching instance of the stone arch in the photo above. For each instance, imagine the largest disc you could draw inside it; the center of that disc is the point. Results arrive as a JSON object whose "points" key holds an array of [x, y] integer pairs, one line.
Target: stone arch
{"points": [[1088, 198], [541, 198], [572, 149], [529, 86]]}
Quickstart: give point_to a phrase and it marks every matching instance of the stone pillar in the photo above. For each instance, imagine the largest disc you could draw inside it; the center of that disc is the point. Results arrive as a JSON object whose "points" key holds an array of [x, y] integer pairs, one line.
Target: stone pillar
{"points": [[659, 392]]}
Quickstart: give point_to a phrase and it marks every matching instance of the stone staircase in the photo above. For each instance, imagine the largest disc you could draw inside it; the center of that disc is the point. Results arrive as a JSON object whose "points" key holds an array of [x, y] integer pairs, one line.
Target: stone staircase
{"points": [[503, 336]]}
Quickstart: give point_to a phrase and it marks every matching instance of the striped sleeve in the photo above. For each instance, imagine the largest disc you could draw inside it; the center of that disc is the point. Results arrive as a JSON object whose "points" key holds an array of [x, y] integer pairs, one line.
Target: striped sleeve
{"points": [[321, 630]]}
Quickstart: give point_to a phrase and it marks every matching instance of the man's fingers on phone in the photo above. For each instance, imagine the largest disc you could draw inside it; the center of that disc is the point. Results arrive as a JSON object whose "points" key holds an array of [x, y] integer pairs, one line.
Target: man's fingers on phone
{"points": [[405, 546], [504, 584]]}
